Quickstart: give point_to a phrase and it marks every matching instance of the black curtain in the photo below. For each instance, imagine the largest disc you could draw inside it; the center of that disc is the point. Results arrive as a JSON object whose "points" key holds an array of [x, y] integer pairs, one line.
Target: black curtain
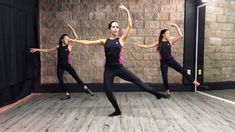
{"points": [[18, 32]]}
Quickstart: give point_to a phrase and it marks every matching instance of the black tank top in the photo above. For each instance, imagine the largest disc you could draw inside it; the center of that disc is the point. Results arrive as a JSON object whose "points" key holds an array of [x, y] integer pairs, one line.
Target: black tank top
{"points": [[165, 51], [113, 50], [64, 55]]}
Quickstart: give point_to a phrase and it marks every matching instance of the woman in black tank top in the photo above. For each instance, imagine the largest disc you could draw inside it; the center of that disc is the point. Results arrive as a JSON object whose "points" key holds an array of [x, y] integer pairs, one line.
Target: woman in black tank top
{"points": [[64, 63], [163, 45], [113, 64]]}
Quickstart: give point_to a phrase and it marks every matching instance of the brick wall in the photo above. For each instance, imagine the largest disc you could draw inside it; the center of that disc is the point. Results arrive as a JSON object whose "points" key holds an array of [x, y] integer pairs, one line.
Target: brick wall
{"points": [[219, 59], [90, 19]]}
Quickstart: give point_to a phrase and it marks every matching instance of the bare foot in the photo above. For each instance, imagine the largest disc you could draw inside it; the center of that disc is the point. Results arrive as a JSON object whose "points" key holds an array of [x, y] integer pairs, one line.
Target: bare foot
{"points": [[196, 83], [85, 87], [168, 92]]}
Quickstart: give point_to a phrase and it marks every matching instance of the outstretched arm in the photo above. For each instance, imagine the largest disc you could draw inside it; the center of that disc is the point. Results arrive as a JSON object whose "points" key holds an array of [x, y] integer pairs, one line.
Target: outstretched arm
{"points": [[146, 46], [74, 32], [32, 50], [89, 42], [178, 36], [129, 26]]}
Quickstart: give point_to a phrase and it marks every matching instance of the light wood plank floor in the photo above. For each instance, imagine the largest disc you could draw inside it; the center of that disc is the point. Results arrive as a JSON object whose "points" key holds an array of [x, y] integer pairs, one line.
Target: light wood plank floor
{"points": [[184, 112]]}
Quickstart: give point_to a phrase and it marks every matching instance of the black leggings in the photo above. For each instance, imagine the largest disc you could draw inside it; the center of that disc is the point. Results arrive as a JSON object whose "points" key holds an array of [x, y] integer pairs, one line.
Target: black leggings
{"points": [[71, 71], [176, 66], [122, 72]]}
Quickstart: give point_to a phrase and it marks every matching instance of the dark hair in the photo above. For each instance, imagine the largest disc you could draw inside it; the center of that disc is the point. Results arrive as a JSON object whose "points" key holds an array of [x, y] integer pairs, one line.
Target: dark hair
{"points": [[161, 37], [62, 37], [110, 24]]}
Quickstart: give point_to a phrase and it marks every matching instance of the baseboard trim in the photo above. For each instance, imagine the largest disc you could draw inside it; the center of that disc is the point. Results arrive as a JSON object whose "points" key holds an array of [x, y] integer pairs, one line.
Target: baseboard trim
{"points": [[98, 87], [219, 85]]}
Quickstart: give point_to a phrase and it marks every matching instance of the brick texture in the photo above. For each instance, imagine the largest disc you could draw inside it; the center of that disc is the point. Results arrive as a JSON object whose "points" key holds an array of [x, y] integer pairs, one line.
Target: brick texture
{"points": [[219, 60], [90, 19]]}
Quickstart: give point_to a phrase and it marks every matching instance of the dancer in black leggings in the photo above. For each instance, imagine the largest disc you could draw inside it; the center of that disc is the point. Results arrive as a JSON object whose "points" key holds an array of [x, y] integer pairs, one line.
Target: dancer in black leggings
{"points": [[113, 65], [163, 45], [64, 49]]}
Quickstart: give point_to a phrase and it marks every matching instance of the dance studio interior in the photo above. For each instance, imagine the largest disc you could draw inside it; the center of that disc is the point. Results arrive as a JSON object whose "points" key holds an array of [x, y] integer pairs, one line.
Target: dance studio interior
{"points": [[117, 65]]}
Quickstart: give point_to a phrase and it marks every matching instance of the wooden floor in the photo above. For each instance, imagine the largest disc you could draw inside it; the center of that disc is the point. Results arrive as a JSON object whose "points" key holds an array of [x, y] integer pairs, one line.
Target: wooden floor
{"points": [[228, 94], [184, 112]]}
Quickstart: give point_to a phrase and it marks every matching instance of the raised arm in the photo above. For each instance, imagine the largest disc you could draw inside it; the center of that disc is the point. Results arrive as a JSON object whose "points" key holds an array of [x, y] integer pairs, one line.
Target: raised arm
{"points": [[178, 36], [129, 26], [32, 50], [146, 46], [89, 42], [74, 32]]}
